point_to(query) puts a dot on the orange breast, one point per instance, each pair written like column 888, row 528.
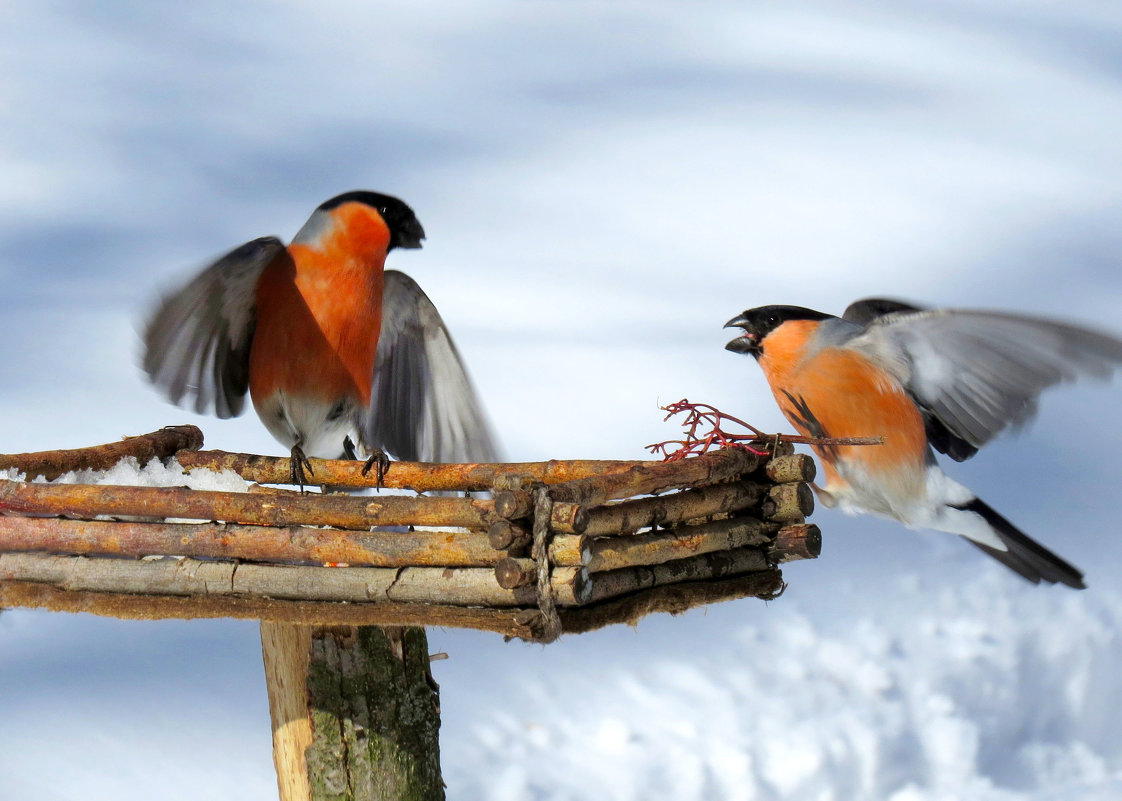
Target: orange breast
column 838, row 393
column 319, row 313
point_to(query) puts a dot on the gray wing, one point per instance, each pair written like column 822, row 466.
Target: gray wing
column 979, row 372
column 196, row 344
column 423, row 406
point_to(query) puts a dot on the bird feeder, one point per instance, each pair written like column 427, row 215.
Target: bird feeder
column 528, row 550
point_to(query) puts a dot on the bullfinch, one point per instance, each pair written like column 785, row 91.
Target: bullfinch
column 335, row 351
column 924, row 380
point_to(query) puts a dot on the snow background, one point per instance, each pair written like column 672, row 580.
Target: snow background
column 603, row 186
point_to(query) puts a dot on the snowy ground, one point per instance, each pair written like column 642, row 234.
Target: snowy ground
column 603, row 186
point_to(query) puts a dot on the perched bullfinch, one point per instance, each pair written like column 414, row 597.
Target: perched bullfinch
column 940, row 379
column 334, row 350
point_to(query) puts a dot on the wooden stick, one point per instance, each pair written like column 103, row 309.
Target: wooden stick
column 513, row 504
column 647, row 479
column 33, row 595
column 511, row 572
column 628, row 516
column 788, row 503
column 614, row 553
column 317, row 546
column 506, row 536
column 569, row 517
column 285, row 650
column 342, row 511
column 387, row 549
column 671, row 598
column 797, row 541
column 789, row 468
column 520, row 572
column 601, row 586
column 464, row 586
column 511, row 622
column 418, row 476
column 599, row 554
column 52, row 464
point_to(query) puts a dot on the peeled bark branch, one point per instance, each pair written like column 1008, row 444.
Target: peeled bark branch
column 304, row 544
column 418, row 476
column 342, row 511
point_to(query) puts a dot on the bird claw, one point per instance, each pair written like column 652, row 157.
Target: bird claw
column 299, row 463
column 382, row 461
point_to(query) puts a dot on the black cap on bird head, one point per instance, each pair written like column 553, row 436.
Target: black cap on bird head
column 761, row 321
column 405, row 228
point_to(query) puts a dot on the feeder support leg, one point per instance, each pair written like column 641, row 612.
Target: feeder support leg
column 355, row 713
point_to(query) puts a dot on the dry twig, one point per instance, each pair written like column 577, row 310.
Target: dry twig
column 703, row 430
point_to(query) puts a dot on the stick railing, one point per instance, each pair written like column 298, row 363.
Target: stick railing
column 618, row 539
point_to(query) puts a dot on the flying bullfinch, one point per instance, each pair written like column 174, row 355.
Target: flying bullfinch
column 334, row 350
column 942, row 379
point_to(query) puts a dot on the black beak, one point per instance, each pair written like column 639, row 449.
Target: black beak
column 748, row 342
column 739, row 321
column 410, row 234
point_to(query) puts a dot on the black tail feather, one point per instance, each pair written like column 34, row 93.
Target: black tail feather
column 1024, row 555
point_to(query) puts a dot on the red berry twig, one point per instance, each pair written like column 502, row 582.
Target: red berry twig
column 703, row 430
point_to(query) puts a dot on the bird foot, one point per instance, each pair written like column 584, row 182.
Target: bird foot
column 379, row 459
column 299, row 463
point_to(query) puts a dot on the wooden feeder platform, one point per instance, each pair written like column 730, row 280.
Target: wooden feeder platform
column 545, row 548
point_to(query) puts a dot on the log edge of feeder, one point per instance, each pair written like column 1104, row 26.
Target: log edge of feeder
column 709, row 477
column 513, row 622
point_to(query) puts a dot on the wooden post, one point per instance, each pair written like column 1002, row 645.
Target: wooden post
column 286, row 651
column 355, row 713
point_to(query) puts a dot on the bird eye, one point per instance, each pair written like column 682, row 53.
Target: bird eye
column 773, row 319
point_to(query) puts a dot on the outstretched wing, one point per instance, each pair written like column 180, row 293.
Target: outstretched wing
column 863, row 312
column 423, row 406
column 977, row 373
column 196, row 344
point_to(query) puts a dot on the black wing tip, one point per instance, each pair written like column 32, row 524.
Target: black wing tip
column 1024, row 555
column 944, row 440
